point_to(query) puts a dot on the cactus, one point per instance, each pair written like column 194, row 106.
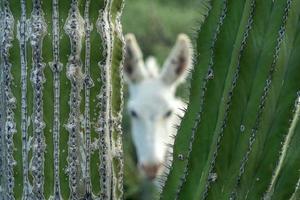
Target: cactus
column 60, row 115
column 240, row 135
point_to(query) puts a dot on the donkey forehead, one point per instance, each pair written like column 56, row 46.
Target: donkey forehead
column 152, row 94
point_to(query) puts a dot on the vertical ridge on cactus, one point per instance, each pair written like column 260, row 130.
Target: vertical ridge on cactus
column 37, row 32
column 74, row 29
column 27, row 193
column 111, row 166
column 103, row 26
column 7, row 118
column 56, row 67
column 117, row 99
column 88, row 83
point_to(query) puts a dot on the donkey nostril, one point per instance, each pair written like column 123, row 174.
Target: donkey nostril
column 151, row 170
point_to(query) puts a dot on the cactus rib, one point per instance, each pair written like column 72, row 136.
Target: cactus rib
column 56, row 67
column 27, row 193
column 9, row 104
column 74, row 28
column 88, row 83
column 110, row 97
column 254, row 130
column 250, row 5
column 209, row 76
column 285, row 147
column 37, row 32
column 103, row 28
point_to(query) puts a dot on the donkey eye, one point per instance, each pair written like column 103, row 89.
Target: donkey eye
column 168, row 114
column 133, row 114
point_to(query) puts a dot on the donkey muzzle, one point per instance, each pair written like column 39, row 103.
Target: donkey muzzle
column 151, row 170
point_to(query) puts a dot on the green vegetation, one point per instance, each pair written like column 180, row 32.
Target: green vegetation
column 62, row 106
column 56, row 154
column 240, row 134
column 156, row 23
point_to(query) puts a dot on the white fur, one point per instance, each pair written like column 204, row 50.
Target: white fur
column 152, row 96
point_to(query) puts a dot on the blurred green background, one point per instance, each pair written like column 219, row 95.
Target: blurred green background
column 156, row 24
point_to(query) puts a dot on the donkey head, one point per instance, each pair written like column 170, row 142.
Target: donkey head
column 152, row 104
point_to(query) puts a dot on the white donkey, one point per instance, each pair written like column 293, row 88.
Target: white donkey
column 152, row 104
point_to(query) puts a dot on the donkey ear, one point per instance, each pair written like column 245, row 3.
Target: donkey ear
column 152, row 66
column 134, row 67
column 177, row 65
